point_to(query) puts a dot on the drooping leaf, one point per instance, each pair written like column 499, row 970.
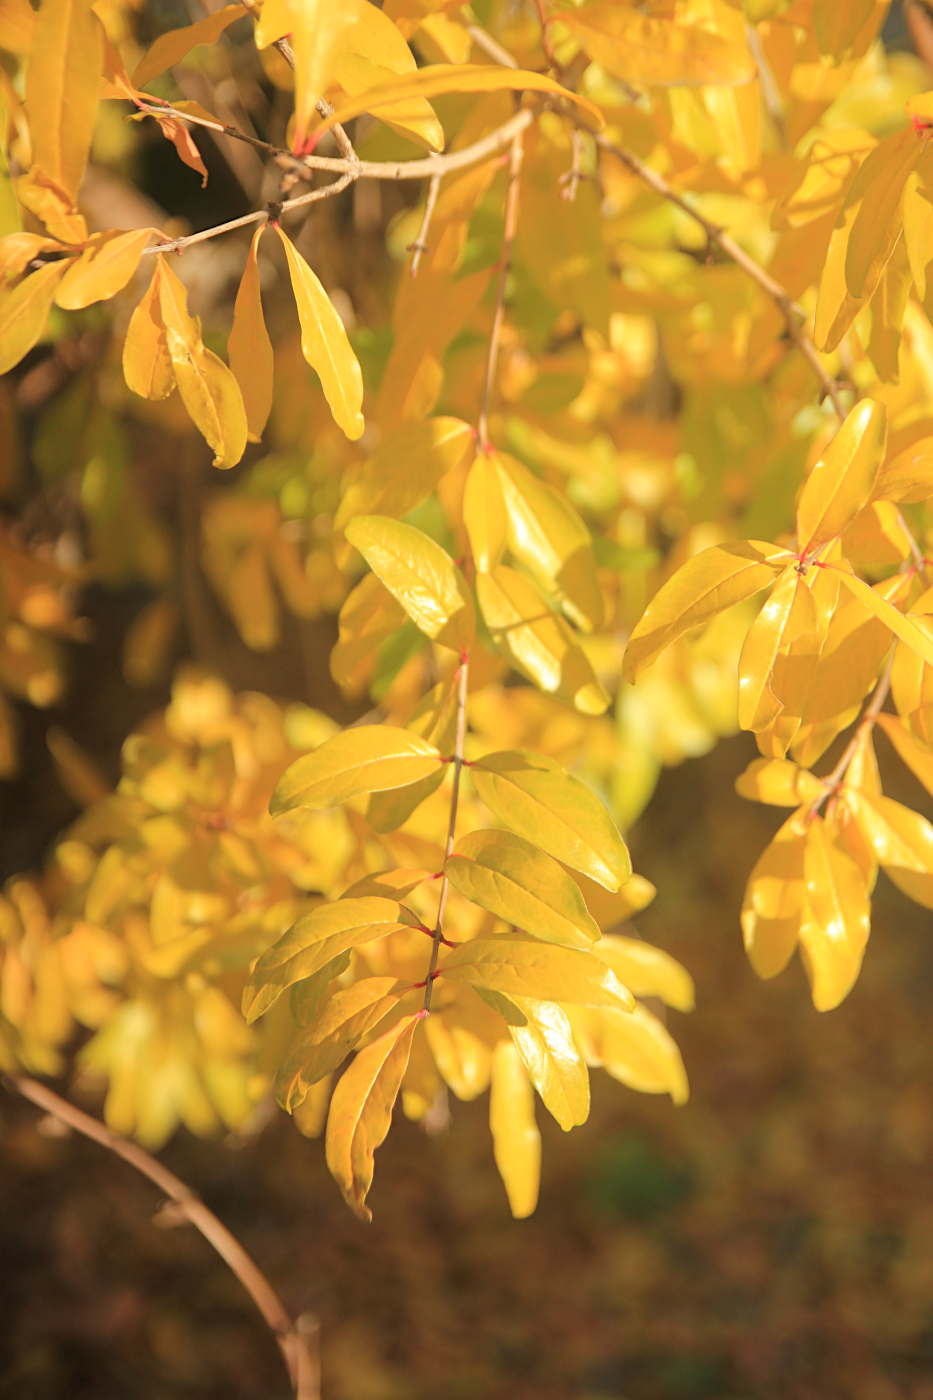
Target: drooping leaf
column 370, row 616
column 526, row 968
column 515, row 1137
column 25, row 310
column 420, row 574
column 367, row 758
column 918, row 760
column 172, row 47
column 319, row 31
column 775, row 899
column 361, row 1111
column 540, row 801
column 316, row 1052
column 788, row 613
column 484, row 513
column 778, row 782
column 249, row 348
column 103, row 269
column 902, row 841
column 637, row 1050
column 908, row 477
column 706, row 585
column 147, row 364
column 324, row 344
column 836, row 930
column 647, row 971
column 62, row 84
column 904, row 626
column 841, row 483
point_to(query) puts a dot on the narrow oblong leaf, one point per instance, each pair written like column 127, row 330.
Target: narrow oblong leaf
column 902, row 841
column 324, row 344
column 908, row 477
column 636, row 1050
column 25, row 310
column 62, row 89
column 918, row 760
column 322, row 1047
column 553, row 1061
column 839, row 909
column 103, row 269
column 842, row 481
column 904, row 626
column 367, row 758
column 172, row 47
column 484, row 513
column 878, row 223
column 778, row 782
column 403, row 471
column 315, row 940
column 706, row 585
column 788, row 613
column 539, row 800
column 147, row 364
column 249, row 348
column 361, row 1111
column 420, row 574
column 515, row 1137
column 370, row 616
column 526, row 968
column 513, row 879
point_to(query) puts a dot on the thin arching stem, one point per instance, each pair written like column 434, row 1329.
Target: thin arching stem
column 292, row 1338
column 438, row 936
column 508, row 238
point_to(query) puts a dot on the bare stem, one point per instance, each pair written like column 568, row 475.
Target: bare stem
column 292, row 1338
column 508, row 238
column 421, row 243
column 451, row 825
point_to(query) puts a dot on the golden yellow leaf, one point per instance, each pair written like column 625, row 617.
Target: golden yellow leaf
column 554, row 1064
column 879, row 220
column 17, row 21
column 319, row 31
column 540, row 801
column 185, row 145
column 707, row 584
column 787, row 614
column 249, row 348
column 523, row 967
column 637, row 1050
column 834, row 937
column 918, row 225
column 778, row 782
column 367, row 758
column 841, row 482
column 50, row 203
column 322, row 1046
column 536, row 641
column 406, row 468
column 420, row 574
column 837, row 25
column 484, row 514
column 515, row 1136
column 908, row 629
column 25, row 310
column 324, row 344
column 918, row 760
column 775, row 899
column 888, row 306
column 824, row 178
column 17, row 250
column 434, row 719
column 361, row 1111
column 369, row 616
column 513, row 879
column 647, row 971
column 103, row 269
column 653, row 52
column 62, row 83
column 358, row 73
column 907, row 477
column 902, row 841
column 172, row 47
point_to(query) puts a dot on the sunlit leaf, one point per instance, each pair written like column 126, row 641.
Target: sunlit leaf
column 647, row 971
column 249, row 348
column 526, row 968
column 484, row 513
column 406, row 469
column 316, row 1052
column 835, row 934
column 420, row 574
column 172, row 47
column 25, row 310
column 778, row 782
column 650, row 52
column 368, row 758
column 62, row 83
column 515, row 1136
column 842, row 481
column 103, row 269
column 147, row 364
column 554, row 1064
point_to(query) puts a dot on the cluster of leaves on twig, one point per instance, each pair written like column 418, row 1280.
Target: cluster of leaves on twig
column 670, row 265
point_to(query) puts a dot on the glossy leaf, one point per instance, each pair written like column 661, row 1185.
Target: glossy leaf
column 62, row 81
column 905, row 627
column 361, row 1111
column 778, row 782
column 316, row 1052
column 249, row 348
column 707, row 584
column 25, row 310
column 908, row 477
column 147, row 364
column 840, row 914
column 367, row 758
column 515, row 1137
column 637, row 1050
column 843, row 479
column 775, row 899
column 172, row 47
column 324, row 343
column 318, row 31
column 902, row 841
column 420, row 574
column 539, row 800
column 554, row 1064
column 103, row 269
column 647, row 971
column 789, row 613
column 526, row 968
column 652, row 52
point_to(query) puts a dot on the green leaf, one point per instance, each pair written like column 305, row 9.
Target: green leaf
column 420, row 574
column 539, row 800
column 510, row 877
column 315, row 940
column 520, row 967
column 350, row 1014
column 366, row 758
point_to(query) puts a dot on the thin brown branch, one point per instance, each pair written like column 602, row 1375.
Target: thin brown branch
column 420, row 245
column 508, row 238
column 545, row 35
column 869, row 719
column 738, row 255
column 438, row 936
column 292, row 1339
column 491, row 46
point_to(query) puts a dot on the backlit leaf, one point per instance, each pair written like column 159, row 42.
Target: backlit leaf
column 420, row 574
column 775, row 899
column 515, row 1137
column 647, row 971
column 147, row 364
column 62, row 83
column 637, row 1050
column 25, row 310
column 526, row 968
column 324, row 343
column 540, row 801
column 513, row 879
column 905, row 627
column 908, row 477
column 369, row 616
column 406, row 468
column 840, row 913
column 554, row 1064
column 361, row 1111
column 879, row 221
column 318, row 31
column 103, row 269
column 249, row 348
column 902, row 841
column 778, row 782
column 172, row 47
column 789, row 613
column 367, row 758
column 484, row 513
column 841, row 483
column 653, row 52
column 322, row 1047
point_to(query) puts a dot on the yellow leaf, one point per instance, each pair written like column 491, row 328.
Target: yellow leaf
column 610, row 909
column 778, row 782
column 367, row 758
column 361, row 1111
column 321, row 1048
column 837, row 25
column 207, row 388
column 436, row 79
column 902, row 841
column 656, row 52
column 888, row 305
column 918, row 760
column 526, row 968
column 172, row 47
column 420, row 574
column 25, row 310
column 536, row 641
column 388, row 884
column 834, row 937
column 17, row 21
column 514, row 880
column 358, row 74
column 908, row 477
column 147, row 364
column 775, row 899
column 369, row 616
column 103, row 269
column 249, row 348
column 841, row 482
column 647, row 971
column 315, row 940
column 707, row 584
column 879, row 221
column 434, row 719
column 540, row 801
column 484, row 512
column 554, row 1064
column 876, row 540
column 636, row 1050
column 324, row 344
column 62, row 82
column 822, row 181
column 463, row 1059
column 17, row 251
column 319, row 31
column 185, row 145
column 547, row 536
column 406, row 468
column 789, row 613
column 918, row 225
column 515, row 1136
column 908, row 629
